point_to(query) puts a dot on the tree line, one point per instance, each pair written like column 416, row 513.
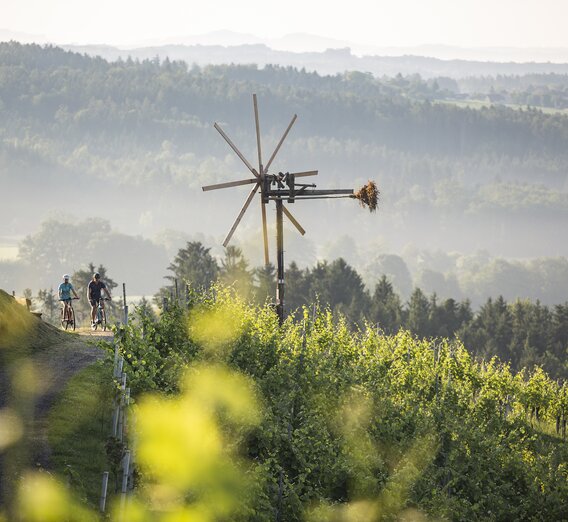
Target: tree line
column 523, row 333
column 67, row 95
column 59, row 247
column 71, row 120
column 537, row 90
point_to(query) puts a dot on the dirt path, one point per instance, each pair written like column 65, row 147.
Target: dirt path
column 57, row 364
column 36, row 362
column 32, row 381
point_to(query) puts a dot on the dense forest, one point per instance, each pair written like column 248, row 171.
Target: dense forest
column 131, row 142
column 62, row 246
column 73, row 95
column 521, row 333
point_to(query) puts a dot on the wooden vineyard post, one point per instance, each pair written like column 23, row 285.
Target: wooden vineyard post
column 124, row 302
column 118, row 374
column 125, row 472
column 120, row 431
column 124, row 487
column 102, row 503
column 120, row 408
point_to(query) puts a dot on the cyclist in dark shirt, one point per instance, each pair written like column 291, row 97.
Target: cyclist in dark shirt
column 94, row 295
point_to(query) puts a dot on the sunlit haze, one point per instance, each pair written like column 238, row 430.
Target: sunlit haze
column 468, row 23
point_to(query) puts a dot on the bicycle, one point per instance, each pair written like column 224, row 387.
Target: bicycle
column 101, row 315
column 68, row 319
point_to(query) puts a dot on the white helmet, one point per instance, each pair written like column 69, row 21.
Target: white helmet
column 66, row 276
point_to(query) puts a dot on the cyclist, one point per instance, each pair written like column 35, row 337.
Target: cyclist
column 94, row 295
column 64, row 292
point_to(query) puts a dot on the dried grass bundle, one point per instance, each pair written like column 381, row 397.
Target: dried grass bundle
column 368, row 196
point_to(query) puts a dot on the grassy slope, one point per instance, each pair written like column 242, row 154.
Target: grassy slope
column 78, row 427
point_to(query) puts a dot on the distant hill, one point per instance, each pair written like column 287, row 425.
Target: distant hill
column 132, row 141
column 330, row 61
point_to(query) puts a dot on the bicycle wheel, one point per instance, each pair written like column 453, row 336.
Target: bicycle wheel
column 98, row 319
column 103, row 320
column 71, row 318
column 62, row 319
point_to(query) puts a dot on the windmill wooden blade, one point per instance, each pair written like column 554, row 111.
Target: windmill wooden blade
column 293, row 220
column 264, row 232
column 305, row 173
column 280, row 143
column 229, row 184
column 241, row 214
column 237, row 151
column 257, row 124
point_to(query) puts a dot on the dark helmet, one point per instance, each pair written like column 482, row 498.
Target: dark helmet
column 96, row 275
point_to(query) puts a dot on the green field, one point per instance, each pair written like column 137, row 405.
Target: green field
column 480, row 104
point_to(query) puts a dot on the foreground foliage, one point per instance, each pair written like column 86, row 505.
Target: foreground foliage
column 364, row 425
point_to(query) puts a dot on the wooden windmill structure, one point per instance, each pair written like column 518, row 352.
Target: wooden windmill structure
column 279, row 187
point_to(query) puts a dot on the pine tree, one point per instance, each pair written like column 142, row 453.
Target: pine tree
column 560, row 330
column 418, row 313
column 297, row 287
column 266, row 280
column 235, row 271
column 449, row 317
column 386, row 308
column 49, row 305
column 144, row 309
column 194, row 265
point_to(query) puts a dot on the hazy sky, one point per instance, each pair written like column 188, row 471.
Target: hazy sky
column 469, row 23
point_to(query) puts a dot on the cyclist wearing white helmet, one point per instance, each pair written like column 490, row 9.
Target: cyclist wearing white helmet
column 64, row 292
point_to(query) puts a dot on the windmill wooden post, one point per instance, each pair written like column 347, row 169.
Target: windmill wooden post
column 279, row 187
column 280, row 260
